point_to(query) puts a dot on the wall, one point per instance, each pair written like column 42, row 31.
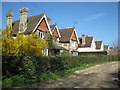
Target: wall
column 71, row 47
column 65, row 45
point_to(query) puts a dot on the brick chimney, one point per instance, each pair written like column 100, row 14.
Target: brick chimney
column 9, row 17
column 23, row 19
column 83, row 39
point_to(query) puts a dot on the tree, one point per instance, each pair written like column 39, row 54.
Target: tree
column 49, row 38
column 116, row 48
column 22, row 44
column 7, row 42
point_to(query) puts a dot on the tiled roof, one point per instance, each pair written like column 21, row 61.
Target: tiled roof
column 61, row 48
column 98, row 44
column 74, row 50
column 106, row 47
column 88, row 41
column 66, row 34
column 52, row 26
column 111, row 47
column 31, row 24
column 58, row 47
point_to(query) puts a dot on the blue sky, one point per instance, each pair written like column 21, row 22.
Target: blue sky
column 98, row 19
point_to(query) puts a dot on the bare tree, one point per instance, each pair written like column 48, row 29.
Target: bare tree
column 116, row 46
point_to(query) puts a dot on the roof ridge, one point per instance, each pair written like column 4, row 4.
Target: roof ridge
column 36, row 15
column 67, row 28
column 30, row 17
column 87, row 36
column 53, row 24
column 98, row 41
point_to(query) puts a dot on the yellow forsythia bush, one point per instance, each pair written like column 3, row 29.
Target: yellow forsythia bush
column 22, row 44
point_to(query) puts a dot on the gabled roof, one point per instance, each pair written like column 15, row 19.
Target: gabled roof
column 106, row 47
column 55, row 30
column 74, row 50
column 52, row 27
column 88, row 41
column 32, row 22
column 66, row 34
column 98, row 44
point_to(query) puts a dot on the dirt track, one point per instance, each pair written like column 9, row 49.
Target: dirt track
column 99, row 76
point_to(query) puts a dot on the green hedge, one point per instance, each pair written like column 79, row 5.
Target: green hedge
column 93, row 53
column 30, row 66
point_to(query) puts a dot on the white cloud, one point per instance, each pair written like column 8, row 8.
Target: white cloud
column 95, row 16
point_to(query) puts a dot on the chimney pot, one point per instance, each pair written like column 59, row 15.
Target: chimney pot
column 23, row 19
column 83, row 39
column 83, row 35
column 10, row 10
column 9, row 17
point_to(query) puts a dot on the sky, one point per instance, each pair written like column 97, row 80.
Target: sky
column 98, row 19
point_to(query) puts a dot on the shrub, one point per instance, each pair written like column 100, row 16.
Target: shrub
column 66, row 53
column 19, row 70
column 11, row 65
column 30, row 66
column 93, row 53
column 13, row 81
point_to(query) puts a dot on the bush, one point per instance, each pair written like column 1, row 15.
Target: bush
column 93, row 53
column 66, row 53
column 30, row 66
column 20, row 70
column 13, row 81
column 10, row 65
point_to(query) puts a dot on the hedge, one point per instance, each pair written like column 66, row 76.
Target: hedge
column 93, row 53
column 30, row 66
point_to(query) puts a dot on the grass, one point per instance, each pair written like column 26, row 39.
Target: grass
column 17, row 81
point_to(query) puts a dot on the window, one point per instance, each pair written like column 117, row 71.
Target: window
column 73, row 43
column 46, row 52
column 40, row 34
column 57, row 41
column 75, row 53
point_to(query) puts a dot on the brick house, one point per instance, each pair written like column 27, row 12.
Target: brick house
column 69, row 40
column 40, row 24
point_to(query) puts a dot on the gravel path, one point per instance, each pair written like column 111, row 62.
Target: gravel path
column 99, row 76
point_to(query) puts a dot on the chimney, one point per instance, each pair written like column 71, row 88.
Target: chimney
column 23, row 19
column 83, row 39
column 9, row 17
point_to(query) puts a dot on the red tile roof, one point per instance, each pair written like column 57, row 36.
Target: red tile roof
column 88, row 41
column 66, row 34
column 52, row 26
column 31, row 24
column 98, row 44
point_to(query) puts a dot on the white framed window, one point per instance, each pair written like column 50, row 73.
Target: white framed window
column 57, row 41
column 41, row 35
column 46, row 52
column 75, row 53
column 73, row 43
